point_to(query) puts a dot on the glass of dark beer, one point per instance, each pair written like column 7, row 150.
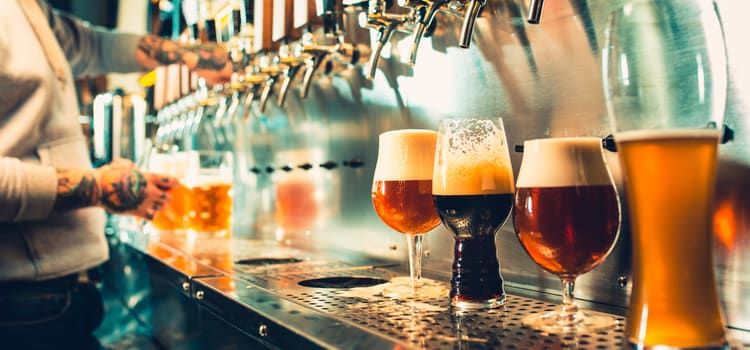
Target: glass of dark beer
column 472, row 185
column 402, row 196
column 566, row 214
column 665, row 81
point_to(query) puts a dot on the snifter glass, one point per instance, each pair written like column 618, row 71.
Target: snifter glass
column 472, row 185
column 665, row 80
column 402, row 197
column 566, row 215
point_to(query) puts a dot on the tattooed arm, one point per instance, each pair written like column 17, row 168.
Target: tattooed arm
column 119, row 188
column 211, row 61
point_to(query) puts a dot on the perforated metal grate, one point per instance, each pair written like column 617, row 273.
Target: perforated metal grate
column 430, row 324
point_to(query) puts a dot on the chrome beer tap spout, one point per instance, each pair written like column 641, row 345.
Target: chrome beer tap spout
column 274, row 72
column 535, row 11
column 424, row 14
column 384, row 24
column 294, row 61
column 470, row 16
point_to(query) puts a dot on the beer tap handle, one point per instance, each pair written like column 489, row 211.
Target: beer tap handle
column 535, row 11
column 467, row 28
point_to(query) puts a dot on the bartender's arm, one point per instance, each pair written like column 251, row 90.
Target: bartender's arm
column 119, row 188
column 209, row 60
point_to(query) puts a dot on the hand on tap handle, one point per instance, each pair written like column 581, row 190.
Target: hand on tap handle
column 209, row 60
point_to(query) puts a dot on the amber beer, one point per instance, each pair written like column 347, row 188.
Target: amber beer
column 568, row 230
column 670, row 184
column 405, row 205
column 174, row 215
column 402, row 195
column 210, row 207
column 473, row 191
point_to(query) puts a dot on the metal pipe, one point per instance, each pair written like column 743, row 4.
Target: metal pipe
column 535, row 11
column 467, row 28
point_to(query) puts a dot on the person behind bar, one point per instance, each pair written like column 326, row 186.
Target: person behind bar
column 52, row 201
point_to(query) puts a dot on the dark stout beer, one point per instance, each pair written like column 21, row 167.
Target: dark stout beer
column 473, row 220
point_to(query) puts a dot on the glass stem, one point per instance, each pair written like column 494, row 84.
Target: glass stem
column 414, row 245
column 568, row 309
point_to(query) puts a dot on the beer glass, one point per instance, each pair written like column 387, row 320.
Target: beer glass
column 173, row 216
column 209, row 179
column 665, row 81
column 566, row 214
column 472, row 185
column 402, row 195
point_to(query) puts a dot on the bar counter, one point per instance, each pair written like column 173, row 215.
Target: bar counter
column 219, row 293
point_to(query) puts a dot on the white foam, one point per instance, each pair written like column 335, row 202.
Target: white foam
column 563, row 162
column 472, row 158
column 406, row 154
column 666, row 133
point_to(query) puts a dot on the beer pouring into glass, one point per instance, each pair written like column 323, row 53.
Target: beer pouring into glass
column 402, row 197
column 665, row 80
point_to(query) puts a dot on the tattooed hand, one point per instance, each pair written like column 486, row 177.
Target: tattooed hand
column 209, row 60
column 119, row 188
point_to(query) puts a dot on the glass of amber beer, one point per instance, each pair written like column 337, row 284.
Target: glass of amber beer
column 173, row 216
column 402, row 195
column 473, row 185
column 566, row 215
column 209, row 180
column 665, row 80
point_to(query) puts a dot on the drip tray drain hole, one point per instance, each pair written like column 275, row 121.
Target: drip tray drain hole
column 267, row 261
column 342, row 282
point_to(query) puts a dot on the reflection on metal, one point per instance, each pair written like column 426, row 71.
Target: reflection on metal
column 544, row 80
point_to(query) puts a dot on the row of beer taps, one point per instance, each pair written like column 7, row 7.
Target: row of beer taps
column 266, row 64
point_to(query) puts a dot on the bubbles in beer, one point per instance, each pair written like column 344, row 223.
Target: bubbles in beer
column 474, row 159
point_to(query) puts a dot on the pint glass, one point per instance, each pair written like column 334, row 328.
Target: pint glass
column 665, row 85
column 209, row 180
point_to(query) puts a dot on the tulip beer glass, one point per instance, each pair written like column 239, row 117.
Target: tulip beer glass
column 566, row 215
column 209, row 179
column 665, row 80
column 473, row 189
column 402, row 194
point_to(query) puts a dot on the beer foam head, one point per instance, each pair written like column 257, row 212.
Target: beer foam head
column 406, row 154
column 472, row 158
column 563, row 162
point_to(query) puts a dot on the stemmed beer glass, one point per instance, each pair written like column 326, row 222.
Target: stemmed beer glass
column 665, row 79
column 473, row 187
column 402, row 195
column 567, row 217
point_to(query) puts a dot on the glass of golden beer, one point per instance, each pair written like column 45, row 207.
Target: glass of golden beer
column 402, row 196
column 473, row 185
column 665, row 81
column 172, row 216
column 209, row 180
column 566, row 215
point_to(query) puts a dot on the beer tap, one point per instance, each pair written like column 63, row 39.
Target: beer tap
column 384, row 24
column 273, row 71
column 424, row 14
column 535, row 11
column 470, row 16
column 293, row 61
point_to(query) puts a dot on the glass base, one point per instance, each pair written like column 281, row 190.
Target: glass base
column 579, row 322
column 478, row 304
column 400, row 288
